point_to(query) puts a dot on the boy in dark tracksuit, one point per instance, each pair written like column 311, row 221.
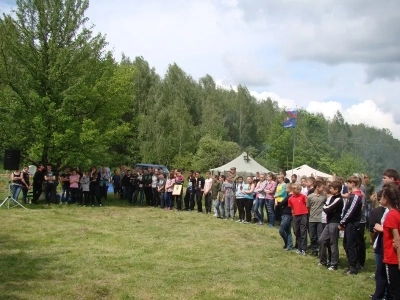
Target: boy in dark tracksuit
column 199, row 189
column 350, row 223
column 333, row 210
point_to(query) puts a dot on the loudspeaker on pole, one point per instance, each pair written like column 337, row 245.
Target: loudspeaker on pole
column 12, row 160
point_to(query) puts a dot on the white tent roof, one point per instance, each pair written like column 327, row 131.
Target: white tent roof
column 306, row 170
column 242, row 166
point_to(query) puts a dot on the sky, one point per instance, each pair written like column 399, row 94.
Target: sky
column 322, row 56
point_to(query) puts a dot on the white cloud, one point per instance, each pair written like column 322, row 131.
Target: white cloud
column 328, row 109
column 367, row 112
column 282, row 102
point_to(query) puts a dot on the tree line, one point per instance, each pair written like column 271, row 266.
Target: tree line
column 66, row 100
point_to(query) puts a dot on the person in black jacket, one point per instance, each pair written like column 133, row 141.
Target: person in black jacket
column 189, row 191
column 350, row 223
column 333, row 210
column 94, row 186
column 147, row 185
column 199, row 189
column 37, row 184
column 126, row 186
column 375, row 217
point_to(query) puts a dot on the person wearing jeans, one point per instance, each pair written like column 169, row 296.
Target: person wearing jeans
column 248, row 190
column 17, row 183
column 285, row 228
column 259, row 202
column 270, row 199
column 228, row 188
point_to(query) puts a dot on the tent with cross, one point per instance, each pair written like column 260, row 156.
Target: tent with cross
column 244, row 164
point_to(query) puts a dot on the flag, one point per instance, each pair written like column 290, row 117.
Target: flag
column 291, row 119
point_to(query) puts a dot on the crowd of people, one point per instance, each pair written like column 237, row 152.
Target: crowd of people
column 310, row 207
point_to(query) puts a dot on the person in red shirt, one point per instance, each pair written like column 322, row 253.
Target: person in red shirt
column 298, row 204
column 391, row 228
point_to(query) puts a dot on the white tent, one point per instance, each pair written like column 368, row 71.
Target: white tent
column 306, row 170
column 244, row 164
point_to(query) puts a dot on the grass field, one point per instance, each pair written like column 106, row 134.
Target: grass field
column 122, row 252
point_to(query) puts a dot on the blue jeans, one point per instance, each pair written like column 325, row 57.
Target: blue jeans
column 285, row 230
column 259, row 203
column 270, row 208
column 168, row 199
column 221, row 204
column 16, row 189
column 65, row 194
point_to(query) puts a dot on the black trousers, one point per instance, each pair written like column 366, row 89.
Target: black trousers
column 75, row 195
column 191, row 200
column 155, row 198
column 94, row 194
column 84, row 199
column 248, row 205
column 208, row 202
column 240, row 207
column 186, row 199
column 50, row 193
column 393, row 277
column 199, row 197
column 37, row 191
column 278, row 212
column 361, row 251
column 350, row 244
column 300, row 231
column 178, row 200
column 149, row 195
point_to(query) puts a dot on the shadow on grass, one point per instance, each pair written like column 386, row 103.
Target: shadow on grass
column 19, row 269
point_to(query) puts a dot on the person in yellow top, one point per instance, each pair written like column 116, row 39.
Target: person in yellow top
column 280, row 194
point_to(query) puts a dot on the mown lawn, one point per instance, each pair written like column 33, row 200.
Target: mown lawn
column 122, row 252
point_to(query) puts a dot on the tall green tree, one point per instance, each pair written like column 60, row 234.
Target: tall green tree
column 58, row 78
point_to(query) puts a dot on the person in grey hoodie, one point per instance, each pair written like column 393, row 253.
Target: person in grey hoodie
column 84, row 181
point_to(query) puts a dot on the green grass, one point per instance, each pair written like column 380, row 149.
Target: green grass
column 121, row 252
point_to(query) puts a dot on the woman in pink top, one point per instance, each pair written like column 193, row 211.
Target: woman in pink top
column 259, row 202
column 74, row 186
column 169, row 188
column 270, row 199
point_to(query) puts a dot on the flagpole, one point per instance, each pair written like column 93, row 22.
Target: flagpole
column 294, row 140
column 294, row 146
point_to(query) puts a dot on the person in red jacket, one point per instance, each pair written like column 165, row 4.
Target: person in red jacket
column 391, row 228
column 298, row 204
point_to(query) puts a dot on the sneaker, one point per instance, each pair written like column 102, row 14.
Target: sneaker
column 260, row 223
column 245, row 222
column 101, row 205
column 298, row 251
column 321, row 264
column 350, row 272
column 288, row 249
column 303, row 253
column 270, row 226
column 332, row 268
column 215, row 215
column 239, row 221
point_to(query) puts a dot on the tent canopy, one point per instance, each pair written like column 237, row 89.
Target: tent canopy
column 306, row 170
column 244, row 167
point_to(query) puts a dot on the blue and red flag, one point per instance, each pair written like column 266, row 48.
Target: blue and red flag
column 291, row 119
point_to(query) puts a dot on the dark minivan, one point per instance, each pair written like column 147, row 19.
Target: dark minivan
column 146, row 166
